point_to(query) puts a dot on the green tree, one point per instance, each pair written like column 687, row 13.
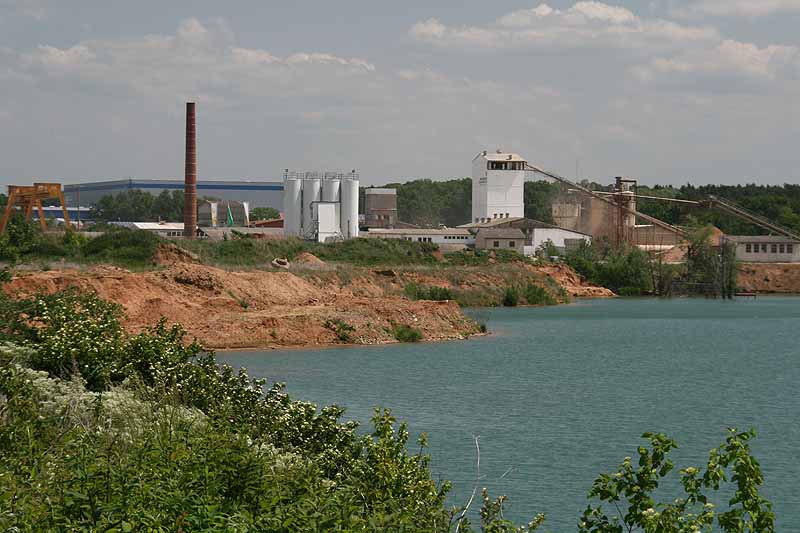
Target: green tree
column 264, row 213
column 631, row 491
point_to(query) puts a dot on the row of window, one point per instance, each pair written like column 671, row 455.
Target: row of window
column 429, row 239
column 756, row 248
column 511, row 244
column 506, row 165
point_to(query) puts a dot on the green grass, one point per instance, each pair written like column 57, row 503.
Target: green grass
column 363, row 252
column 415, row 291
column 484, row 257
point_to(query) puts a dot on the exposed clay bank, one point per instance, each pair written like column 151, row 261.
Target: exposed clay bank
column 302, row 308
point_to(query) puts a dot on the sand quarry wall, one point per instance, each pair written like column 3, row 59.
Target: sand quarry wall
column 259, row 308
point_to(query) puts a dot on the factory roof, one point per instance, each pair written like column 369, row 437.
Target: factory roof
column 501, row 233
column 759, row 238
column 517, row 222
column 492, row 222
column 418, row 231
column 500, row 156
column 151, row 226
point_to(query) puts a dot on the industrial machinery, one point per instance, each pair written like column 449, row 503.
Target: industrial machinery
column 622, row 204
column 29, row 197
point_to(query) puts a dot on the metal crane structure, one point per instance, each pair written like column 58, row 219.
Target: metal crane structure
column 620, row 201
column 29, row 197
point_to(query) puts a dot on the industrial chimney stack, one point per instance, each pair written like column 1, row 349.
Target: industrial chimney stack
column 190, row 182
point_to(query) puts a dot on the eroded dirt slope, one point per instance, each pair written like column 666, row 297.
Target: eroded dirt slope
column 777, row 278
column 261, row 308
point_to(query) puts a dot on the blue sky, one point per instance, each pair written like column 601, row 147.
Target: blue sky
column 665, row 91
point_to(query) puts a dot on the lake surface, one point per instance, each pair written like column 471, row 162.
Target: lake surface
column 558, row 395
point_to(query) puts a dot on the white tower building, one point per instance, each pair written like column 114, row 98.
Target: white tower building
column 498, row 185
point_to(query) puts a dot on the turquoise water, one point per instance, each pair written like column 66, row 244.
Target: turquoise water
column 558, row 395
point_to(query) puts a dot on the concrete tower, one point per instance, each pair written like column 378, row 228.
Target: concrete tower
column 498, row 186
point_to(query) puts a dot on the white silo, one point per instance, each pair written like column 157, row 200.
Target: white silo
column 292, row 206
column 349, row 213
column 330, row 188
column 312, row 187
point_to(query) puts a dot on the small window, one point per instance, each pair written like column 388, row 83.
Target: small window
column 763, row 248
column 782, row 249
column 512, row 244
column 774, row 248
column 747, row 248
column 497, row 244
column 790, row 248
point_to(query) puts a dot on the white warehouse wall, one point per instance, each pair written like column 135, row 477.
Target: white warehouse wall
column 556, row 235
column 327, row 215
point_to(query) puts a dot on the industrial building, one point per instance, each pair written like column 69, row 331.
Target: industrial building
column 498, row 185
column 321, row 206
column 227, row 213
column 380, row 208
column 765, row 249
column 77, row 215
column 534, row 234
column 500, row 239
column 256, row 193
column 168, row 230
column 448, row 239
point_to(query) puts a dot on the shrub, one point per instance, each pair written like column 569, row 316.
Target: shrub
column 341, row 328
column 536, row 295
column 510, row 297
column 423, row 292
column 405, row 333
column 123, row 246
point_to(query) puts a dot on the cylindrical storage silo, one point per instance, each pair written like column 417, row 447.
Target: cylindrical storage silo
column 312, row 188
column 349, row 213
column 292, row 208
column 330, row 189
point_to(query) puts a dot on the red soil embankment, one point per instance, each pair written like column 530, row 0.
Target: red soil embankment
column 263, row 308
column 776, row 278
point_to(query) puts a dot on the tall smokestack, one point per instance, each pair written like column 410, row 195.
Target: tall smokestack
column 190, row 181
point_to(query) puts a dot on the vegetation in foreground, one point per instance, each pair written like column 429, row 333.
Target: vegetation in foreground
column 100, row 430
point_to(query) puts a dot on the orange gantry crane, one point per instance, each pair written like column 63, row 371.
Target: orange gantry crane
column 29, row 197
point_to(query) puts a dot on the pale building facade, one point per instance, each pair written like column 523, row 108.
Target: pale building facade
column 498, row 186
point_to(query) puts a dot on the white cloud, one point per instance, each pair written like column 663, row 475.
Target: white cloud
column 743, row 8
column 584, row 25
column 730, row 66
column 199, row 59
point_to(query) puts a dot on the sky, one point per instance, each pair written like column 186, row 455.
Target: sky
column 665, row 91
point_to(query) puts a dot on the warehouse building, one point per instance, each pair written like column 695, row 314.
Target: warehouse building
column 448, row 239
column 380, row 208
column 534, row 234
column 765, row 249
column 256, row 193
